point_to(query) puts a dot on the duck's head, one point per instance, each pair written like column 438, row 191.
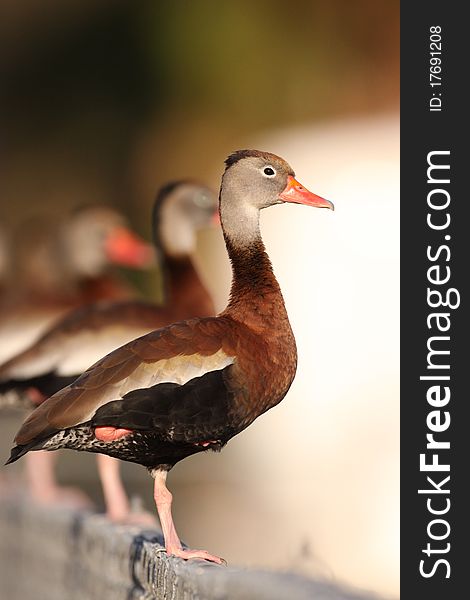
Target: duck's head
column 95, row 237
column 261, row 179
column 254, row 180
column 181, row 209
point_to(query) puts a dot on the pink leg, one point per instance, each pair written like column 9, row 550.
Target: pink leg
column 35, row 396
column 115, row 497
column 163, row 500
column 40, row 474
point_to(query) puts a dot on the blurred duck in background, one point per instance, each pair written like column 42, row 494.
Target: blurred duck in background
column 83, row 336
column 57, row 266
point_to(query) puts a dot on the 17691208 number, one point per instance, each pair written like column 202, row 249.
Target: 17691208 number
column 435, row 68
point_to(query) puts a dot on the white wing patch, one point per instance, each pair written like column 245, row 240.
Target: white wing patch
column 19, row 332
column 68, row 355
column 90, row 347
column 178, row 369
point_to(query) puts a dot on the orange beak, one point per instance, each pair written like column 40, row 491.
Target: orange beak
column 215, row 219
column 296, row 193
column 126, row 249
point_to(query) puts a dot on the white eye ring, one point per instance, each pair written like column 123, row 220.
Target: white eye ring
column 271, row 171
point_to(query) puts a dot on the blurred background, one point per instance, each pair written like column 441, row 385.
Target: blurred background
column 102, row 102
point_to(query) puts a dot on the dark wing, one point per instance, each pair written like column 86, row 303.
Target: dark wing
column 174, row 354
column 77, row 341
column 194, row 412
column 47, row 384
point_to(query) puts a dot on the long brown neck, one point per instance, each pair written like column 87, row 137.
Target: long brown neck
column 256, row 301
column 255, row 296
column 185, row 293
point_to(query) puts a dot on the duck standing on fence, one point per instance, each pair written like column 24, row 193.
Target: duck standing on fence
column 190, row 387
column 83, row 336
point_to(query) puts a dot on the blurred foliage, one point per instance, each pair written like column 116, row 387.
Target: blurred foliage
column 103, row 101
column 267, row 61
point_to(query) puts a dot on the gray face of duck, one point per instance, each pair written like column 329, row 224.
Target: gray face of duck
column 93, row 238
column 181, row 210
column 254, row 180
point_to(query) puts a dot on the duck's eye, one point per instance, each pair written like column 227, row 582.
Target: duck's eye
column 269, row 171
column 203, row 201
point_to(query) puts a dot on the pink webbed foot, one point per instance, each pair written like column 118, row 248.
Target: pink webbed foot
column 173, row 547
column 35, row 396
column 187, row 554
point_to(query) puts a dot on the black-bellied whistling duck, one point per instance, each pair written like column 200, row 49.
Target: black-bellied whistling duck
column 86, row 334
column 57, row 266
column 190, row 387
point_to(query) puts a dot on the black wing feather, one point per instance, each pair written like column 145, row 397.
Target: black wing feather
column 196, row 411
column 48, row 384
